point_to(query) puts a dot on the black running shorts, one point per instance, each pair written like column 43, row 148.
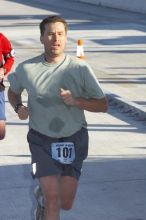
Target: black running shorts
column 41, row 153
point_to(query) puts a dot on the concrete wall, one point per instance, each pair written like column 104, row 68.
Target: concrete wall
column 130, row 5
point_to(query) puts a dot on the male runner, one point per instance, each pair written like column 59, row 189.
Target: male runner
column 60, row 88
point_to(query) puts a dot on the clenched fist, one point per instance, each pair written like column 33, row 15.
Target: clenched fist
column 67, row 97
column 23, row 112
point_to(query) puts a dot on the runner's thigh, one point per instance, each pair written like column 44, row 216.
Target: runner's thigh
column 68, row 189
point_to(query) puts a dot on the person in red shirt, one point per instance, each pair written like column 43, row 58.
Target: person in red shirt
column 6, row 62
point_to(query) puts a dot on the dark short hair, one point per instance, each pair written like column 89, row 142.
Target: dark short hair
column 52, row 19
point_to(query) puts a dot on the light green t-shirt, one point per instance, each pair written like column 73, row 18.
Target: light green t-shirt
column 48, row 114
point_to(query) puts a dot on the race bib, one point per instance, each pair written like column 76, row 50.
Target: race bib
column 64, row 152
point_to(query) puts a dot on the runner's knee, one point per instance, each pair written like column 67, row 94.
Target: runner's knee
column 2, row 135
column 66, row 205
column 51, row 198
column 2, row 130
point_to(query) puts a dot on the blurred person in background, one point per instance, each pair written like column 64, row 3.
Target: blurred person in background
column 6, row 62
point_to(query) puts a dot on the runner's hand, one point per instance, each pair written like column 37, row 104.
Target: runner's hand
column 67, row 97
column 23, row 112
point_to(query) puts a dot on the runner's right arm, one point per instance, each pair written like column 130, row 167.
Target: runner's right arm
column 16, row 102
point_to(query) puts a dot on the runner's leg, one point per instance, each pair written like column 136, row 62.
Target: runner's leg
column 68, row 189
column 2, row 129
column 51, row 192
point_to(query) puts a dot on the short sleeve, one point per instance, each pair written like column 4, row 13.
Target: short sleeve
column 16, row 81
column 91, row 84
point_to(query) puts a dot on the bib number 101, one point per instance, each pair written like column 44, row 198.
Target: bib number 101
column 63, row 152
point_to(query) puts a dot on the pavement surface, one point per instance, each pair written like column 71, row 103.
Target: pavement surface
column 113, row 182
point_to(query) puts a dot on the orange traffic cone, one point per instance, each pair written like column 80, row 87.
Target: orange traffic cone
column 80, row 50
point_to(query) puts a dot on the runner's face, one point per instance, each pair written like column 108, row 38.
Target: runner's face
column 54, row 39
